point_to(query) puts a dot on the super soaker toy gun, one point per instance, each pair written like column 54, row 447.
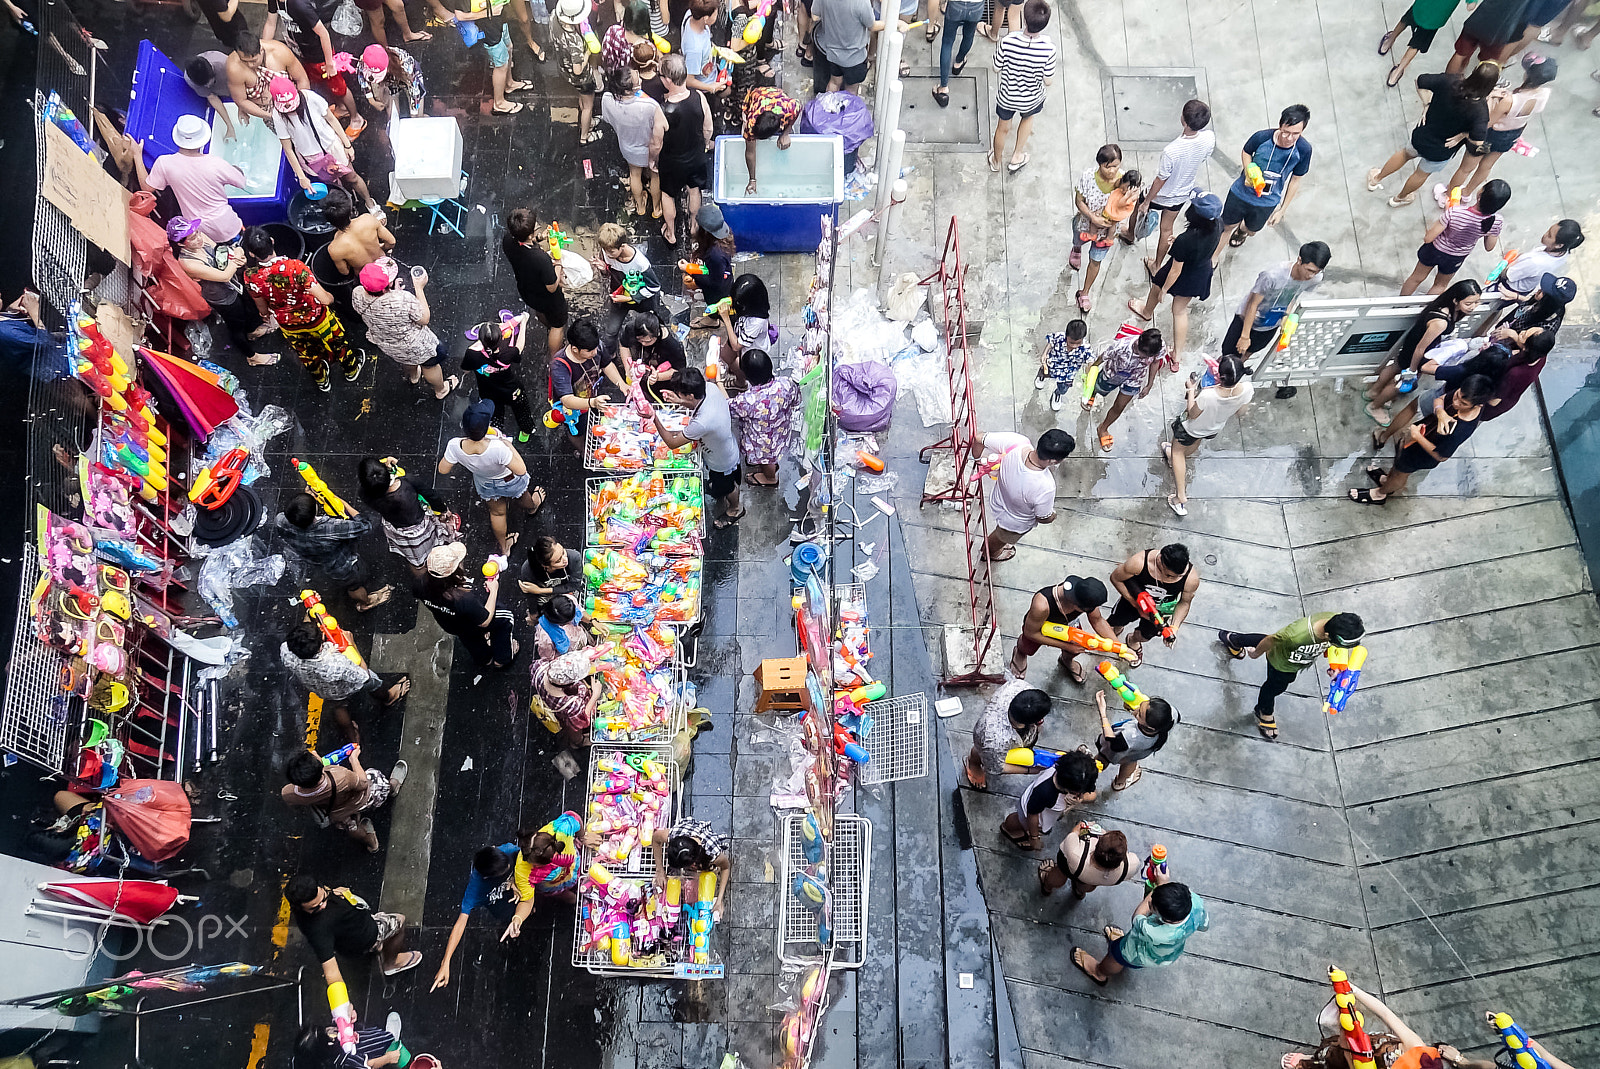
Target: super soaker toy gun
column 1500, row 268
column 339, row 756
column 1291, row 324
column 495, row 565
column 1255, row 179
column 691, row 268
column 330, row 627
column 560, row 415
column 1147, row 605
column 1154, row 865
column 1035, row 758
column 1351, row 1023
column 662, row 44
column 590, row 41
column 1130, row 695
column 558, row 239
column 344, row 1015
column 701, row 919
column 758, row 23
column 331, row 502
column 219, row 479
column 1091, row 375
column 1087, row 639
column 1518, row 1043
column 1348, row 662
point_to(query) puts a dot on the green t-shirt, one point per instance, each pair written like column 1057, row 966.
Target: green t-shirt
column 1296, row 646
column 1432, row 14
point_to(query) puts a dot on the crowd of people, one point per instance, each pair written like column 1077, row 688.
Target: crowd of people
column 669, row 77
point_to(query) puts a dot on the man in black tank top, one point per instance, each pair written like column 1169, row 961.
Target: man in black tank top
column 1169, row 577
column 1075, row 601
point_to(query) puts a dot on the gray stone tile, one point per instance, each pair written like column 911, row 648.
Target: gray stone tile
column 704, row 1045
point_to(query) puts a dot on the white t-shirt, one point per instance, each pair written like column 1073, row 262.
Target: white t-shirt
column 1022, row 496
column 1523, row 273
column 1216, row 410
column 306, row 140
column 1180, row 166
column 712, row 427
column 493, row 463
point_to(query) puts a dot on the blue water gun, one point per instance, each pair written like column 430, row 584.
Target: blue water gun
column 339, row 756
column 1518, row 1043
column 560, row 414
column 1348, row 662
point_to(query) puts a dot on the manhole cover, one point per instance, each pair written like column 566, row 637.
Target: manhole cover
column 961, row 127
column 1144, row 104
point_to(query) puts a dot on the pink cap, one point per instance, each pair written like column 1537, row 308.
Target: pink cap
column 375, row 58
column 285, row 94
column 378, row 275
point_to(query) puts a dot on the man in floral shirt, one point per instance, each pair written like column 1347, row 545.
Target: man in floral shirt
column 324, row 670
column 768, row 112
column 285, row 288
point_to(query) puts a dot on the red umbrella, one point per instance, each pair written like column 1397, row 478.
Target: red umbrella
column 141, row 901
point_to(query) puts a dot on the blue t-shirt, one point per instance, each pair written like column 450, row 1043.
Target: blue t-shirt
column 501, row 898
column 24, row 348
column 1277, row 165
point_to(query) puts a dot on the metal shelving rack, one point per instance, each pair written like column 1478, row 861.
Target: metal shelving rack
column 849, row 862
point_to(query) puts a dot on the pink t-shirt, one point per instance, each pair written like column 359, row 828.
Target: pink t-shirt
column 1463, row 229
column 199, row 184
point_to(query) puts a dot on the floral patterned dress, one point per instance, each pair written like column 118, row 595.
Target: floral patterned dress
column 765, row 413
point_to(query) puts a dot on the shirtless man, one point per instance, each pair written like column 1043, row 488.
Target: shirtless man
column 1169, row 577
column 1064, row 603
column 251, row 67
column 358, row 239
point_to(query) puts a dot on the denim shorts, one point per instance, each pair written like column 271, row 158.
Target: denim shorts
column 500, row 51
column 489, row 489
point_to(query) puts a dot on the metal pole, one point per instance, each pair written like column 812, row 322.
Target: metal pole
column 889, row 159
column 891, row 42
column 890, row 217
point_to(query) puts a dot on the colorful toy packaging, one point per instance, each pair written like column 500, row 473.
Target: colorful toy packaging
column 623, row 439
column 647, row 512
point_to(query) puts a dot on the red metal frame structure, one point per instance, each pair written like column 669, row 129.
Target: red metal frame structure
column 967, row 487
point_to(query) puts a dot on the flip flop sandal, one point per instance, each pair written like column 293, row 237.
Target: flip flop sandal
column 376, row 598
column 1377, row 443
column 1385, row 43
column 1043, row 866
column 1079, row 958
column 404, row 683
column 1292, row 1060
column 1364, row 497
column 1268, row 726
column 1013, row 168
column 511, row 108
column 263, row 360
column 421, row 35
column 957, row 68
column 1380, row 422
column 725, row 521
column 372, row 832
column 450, row 385
column 1018, row 841
column 1004, row 555
column 1106, row 442
column 994, row 164
column 1395, row 74
column 409, row 960
column 1166, row 453
column 1137, row 773
column 543, row 495
column 1075, row 672
column 1112, row 933
column 1134, row 306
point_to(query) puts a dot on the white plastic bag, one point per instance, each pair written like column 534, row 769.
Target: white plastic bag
column 905, row 299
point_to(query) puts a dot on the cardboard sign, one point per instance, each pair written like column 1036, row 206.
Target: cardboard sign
column 93, row 201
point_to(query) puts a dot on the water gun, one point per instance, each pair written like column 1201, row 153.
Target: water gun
column 662, row 44
column 218, row 480
column 845, row 745
column 691, row 269
column 1087, row 639
column 1348, row 662
column 339, row 756
column 1154, row 865
column 701, row 919
column 724, row 305
column 1455, row 197
column 590, row 41
column 758, row 23
column 1091, row 375
column 1147, row 605
column 631, row 285
column 727, row 55
column 344, row 1015
column 495, row 565
column 470, row 33
column 1518, row 1043
column 1291, row 324
column 1255, row 179
column 558, row 240
column 331, row 502
column 1130, row 695
column 330, row 627
column 811, row 843
column 558, row 415
column 1351, row 1023
column 1035, row 758
column 1500, row 268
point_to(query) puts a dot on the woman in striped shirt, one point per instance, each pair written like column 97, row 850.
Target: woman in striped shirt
column 1451, row 239
column 1023, row 63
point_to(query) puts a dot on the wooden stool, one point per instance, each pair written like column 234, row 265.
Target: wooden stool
column 783, row 684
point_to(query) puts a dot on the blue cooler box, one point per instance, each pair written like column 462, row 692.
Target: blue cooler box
column 797, row 187
column 160, row 95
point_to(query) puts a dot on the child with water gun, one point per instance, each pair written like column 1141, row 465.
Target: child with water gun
column 1054, row 791
column 652, row 347
column 630, row 278
column 1127, row 742
column 1010, row 720
column 1065, row 354
column 338, row 796
column 493, row 357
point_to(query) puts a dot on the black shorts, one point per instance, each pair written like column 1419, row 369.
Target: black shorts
column 1180, row 433
column 552, row 310
column 440, row 354
column 1126, row 613
column 1259, row 339
column 1414, row 458
column 1421, row 39
column 1254, row 216
column 679, row 175
column 1502, row 140
column 720, row 484
column 1007, row 114
column 1428, row 256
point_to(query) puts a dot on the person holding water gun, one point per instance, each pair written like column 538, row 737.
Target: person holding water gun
column 1206, row 410
column 690, row 847
column 1276, row 293
column 1129, row 741
column 1156, row 592
column 633, row 282
column 339, row 796
column 494, row 354
column 1288, row 651
column 338, row 922
column 1282, row 155
column 1010, row 720
column 322, row 668
column 1394, row 1043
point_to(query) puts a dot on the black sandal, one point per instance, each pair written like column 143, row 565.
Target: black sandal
column 1240, row 236
column 1395, row 74
column 1386, row 42
column 1376, row 474
column 1267, row 724
column 1043, row 865
column 942, row 95
column 1078, row 956
column 957, row 68
column 1364, row 497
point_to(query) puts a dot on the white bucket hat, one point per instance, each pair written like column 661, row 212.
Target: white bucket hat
column 191, row 131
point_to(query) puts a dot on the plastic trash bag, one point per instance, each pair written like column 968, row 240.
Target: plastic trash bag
column 845, row 114
column 860, row 331
column 863, row 395
column 239, row 563
column 905, row 299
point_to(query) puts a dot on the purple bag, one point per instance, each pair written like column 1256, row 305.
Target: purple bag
column 853, row 123
column 864, row 394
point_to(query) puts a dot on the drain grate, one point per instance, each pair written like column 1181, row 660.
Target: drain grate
column 1143, row 105
column 961, row 127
